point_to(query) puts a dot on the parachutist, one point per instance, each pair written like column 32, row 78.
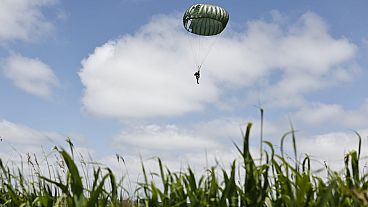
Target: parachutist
column 197, row 75
column 204, row 20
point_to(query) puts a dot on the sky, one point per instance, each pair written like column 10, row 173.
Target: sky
column 116, row 76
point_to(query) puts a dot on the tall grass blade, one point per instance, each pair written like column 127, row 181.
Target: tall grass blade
column 75, row 179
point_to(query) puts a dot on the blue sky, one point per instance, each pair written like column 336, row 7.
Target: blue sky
column 117, row 76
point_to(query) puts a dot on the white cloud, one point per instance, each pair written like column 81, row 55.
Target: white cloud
column 159, row 138
column 20, row 134
column 227, row 129
column 30, row 75
column 319, row 113
column 20, row 143
column 332, row 147
column 206, row 135
column 146, row 75
column 23, row 19
column 179, row 146
column 21, row 146
column 303, row 48
column 149, row 73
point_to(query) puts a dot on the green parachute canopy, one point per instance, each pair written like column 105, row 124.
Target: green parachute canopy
column 205, row 19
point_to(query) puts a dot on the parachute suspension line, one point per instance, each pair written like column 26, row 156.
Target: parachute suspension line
column 193, row 50
column 199, row 68
column 198, row 43
column 208, row 50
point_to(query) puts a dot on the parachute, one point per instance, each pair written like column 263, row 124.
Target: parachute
column 204, row 21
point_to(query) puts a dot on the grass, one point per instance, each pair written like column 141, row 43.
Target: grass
column 274, row 181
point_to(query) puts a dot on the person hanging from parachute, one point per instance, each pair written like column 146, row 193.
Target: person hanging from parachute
column 198, row 74
column 205, row 20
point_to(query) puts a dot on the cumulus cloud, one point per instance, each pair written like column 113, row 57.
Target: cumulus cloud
column 319, row 113
column 31, row 75
column 149, row 73
column 200, row 145
column 20, row 142
column 20, row 134
column 332, row 147
column 167, row 137
column 27, row 148
column 176, row 146
column 145, row 75
column 23, row 19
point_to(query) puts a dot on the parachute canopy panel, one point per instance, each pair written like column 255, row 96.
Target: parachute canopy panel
column 205, row 19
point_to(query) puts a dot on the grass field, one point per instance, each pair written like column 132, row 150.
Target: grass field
column 276, row 181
